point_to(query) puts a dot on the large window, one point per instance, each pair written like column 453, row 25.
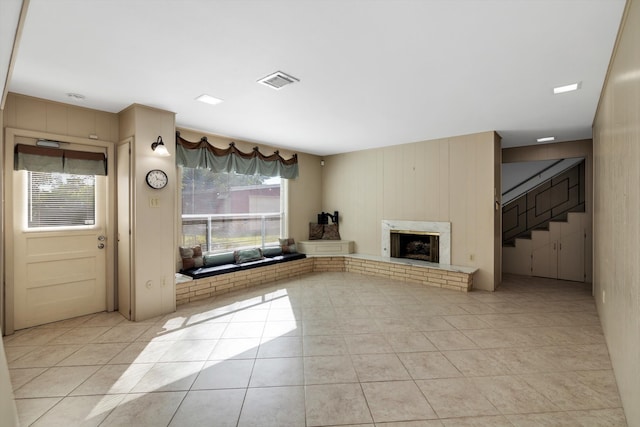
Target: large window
column 226, row 211
column 60, row 200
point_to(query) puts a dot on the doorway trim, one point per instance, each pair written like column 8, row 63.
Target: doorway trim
column 125, row 245
column 12, row 137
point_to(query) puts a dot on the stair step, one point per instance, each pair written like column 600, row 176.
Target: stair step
column 563, row 218
column 522, row 206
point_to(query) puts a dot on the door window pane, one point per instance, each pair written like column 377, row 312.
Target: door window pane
column 61, row 200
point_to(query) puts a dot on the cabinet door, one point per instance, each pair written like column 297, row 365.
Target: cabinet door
column 544, row 261
column 571, row 257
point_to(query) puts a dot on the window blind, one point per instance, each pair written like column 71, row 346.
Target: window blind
column 61, row 200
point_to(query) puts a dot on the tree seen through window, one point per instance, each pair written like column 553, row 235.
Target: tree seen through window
column 225, row 211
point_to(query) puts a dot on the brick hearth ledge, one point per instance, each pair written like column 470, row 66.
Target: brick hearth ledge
column 405, row 270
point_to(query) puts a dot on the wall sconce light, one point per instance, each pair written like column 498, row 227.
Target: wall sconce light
column 159, row 148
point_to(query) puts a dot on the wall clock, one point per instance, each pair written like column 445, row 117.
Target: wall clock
column 157, row 179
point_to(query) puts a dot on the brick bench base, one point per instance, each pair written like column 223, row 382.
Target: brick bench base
column 426, row 275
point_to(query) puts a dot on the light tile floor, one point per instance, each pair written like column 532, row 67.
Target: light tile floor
column 328, row 349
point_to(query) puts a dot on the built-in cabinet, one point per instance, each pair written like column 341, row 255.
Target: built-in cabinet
column 559, row 252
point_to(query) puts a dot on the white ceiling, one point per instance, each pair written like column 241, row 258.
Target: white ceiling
column 372, row 72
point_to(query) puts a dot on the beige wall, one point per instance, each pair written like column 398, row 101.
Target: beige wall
column 153, row 228
column 23, row 112
column 7, row 404
column 616, row 218
column 302, row 193
column 2, row 248
column 452, row 179
column 304, row 196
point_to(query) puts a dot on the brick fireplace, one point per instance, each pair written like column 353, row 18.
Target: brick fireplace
column 424, row 238
column 422, row 246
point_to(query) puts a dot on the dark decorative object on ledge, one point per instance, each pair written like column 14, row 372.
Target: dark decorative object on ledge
column 323, row 217
column 322, row 230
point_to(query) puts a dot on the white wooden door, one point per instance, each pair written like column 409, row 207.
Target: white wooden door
column 59, row 272
column 544, row 261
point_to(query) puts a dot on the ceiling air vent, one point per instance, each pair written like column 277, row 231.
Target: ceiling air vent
column 278, row 80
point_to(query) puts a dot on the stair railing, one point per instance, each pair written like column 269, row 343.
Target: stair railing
column 550, row 200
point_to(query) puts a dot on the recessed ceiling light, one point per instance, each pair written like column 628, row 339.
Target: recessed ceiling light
column 278, row 80
column 76, row 96
column 566, row 88
column 208, row 99
column 546, row 139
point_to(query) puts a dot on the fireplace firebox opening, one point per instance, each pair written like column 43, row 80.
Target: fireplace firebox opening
column 420, row 245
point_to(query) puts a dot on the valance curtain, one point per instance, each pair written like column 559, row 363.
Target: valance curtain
column 42, row 159
column 203, row 155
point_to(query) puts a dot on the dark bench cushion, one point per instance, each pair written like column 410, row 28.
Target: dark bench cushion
column 198, row 273
column 273, row 260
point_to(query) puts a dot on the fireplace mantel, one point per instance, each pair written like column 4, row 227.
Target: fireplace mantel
column 442, row 228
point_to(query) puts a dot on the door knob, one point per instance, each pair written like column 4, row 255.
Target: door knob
column 101, row 246
column 101, row 238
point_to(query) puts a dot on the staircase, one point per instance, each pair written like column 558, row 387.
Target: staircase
column 545, row 231
column 550, row 201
